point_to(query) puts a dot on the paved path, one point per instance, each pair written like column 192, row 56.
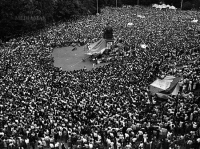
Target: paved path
column 70, row 60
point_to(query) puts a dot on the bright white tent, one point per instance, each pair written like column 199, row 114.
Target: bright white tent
column 155, row 5
column 172, row 7
column 163, row 6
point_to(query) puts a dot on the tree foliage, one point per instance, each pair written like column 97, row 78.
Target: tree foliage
column 187, row 5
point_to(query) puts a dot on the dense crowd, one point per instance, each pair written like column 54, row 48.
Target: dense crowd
column 111, row 106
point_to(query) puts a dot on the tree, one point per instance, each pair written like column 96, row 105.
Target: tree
column 45, row 8
column 129, row 2
column 90, row 5
column 196, row 4
column 187, row 6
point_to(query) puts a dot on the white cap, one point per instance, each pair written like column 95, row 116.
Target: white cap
column 126, row 135
column 198, row 140
column 57, row 144
column 134, row 139
column 90, row 146
column 51, row 145
column 140, row 132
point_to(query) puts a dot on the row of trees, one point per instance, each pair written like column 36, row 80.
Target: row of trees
column 20, row 16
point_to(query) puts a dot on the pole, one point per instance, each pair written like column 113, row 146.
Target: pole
column 176, row 109
column 116, row 3
column 137, row 2
column 181, row 4
column 97, row 6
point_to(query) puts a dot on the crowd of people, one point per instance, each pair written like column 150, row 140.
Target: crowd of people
column 109, row 107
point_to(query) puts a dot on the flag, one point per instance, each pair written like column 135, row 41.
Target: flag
column 172, row 86
column 168, row 85
column 162, row 97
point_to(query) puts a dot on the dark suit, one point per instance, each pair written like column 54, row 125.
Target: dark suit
column 156, row 145
column 147, row 145
column 165, row 145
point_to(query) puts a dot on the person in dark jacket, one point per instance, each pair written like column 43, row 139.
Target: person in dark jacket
column 165, row 144
column 148, row 144
column 1, row 143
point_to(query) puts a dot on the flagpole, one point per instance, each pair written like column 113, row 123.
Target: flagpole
column 181, row 4
column 97, row 6
column 137, row 2
column 176, row 109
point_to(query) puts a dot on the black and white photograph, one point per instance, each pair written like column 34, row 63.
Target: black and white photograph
column 99, row 74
